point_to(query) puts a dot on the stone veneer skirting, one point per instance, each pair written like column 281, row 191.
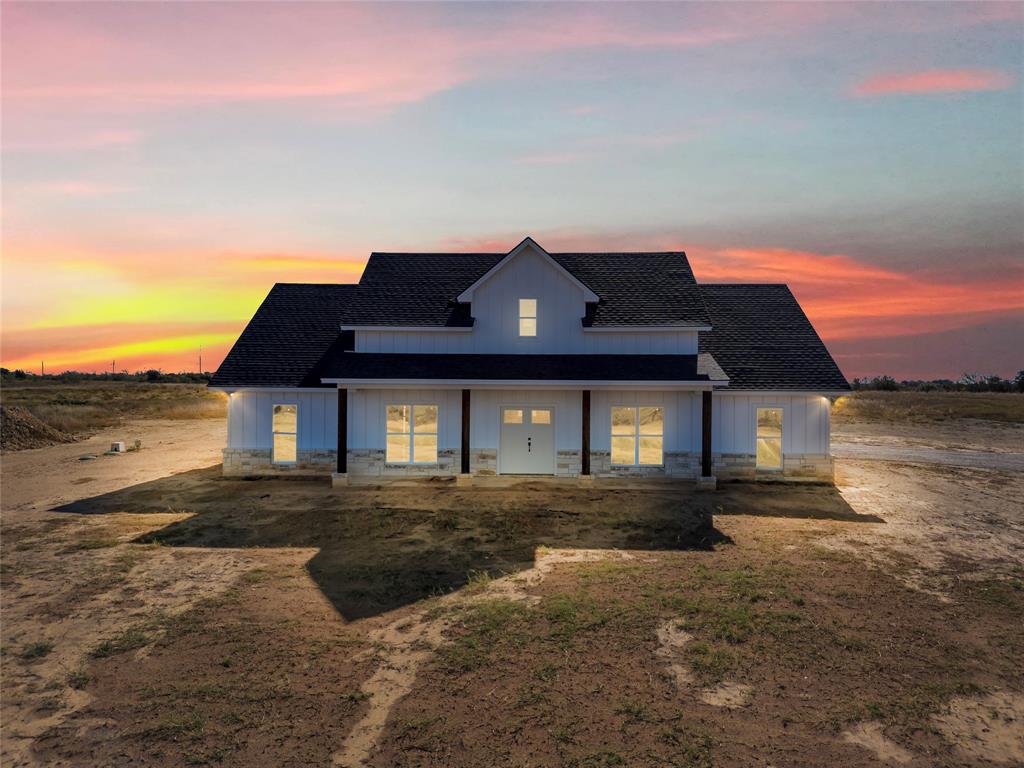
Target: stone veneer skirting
column 242, row 462
column 795, row 466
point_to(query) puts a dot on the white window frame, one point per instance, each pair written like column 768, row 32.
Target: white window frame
column 637, row 435
column 782, row 432
column 522, row 316
column 412, row 433
column 273, row 432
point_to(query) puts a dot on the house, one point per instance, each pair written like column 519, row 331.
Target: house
column 530, row 363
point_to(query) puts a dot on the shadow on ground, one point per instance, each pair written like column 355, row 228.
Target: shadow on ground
column 381, row 548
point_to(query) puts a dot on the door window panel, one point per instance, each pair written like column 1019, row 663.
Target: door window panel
column 540, row 416
column 512, row 416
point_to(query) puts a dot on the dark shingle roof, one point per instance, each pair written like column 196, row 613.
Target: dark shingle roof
column 634, row 288
column 289, row 334
column 763, row 340
column 372, row 365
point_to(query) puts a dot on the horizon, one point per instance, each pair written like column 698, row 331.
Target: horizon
column 164, row 165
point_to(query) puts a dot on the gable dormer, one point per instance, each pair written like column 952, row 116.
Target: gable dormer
column 527, row 301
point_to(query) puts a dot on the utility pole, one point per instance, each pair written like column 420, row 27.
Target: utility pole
column 112, row 362
column 42, row 367
column 200, row 359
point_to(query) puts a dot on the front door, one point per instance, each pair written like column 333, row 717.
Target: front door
column 527, row 441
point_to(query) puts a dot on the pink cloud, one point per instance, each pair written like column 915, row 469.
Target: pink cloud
column 934, row 81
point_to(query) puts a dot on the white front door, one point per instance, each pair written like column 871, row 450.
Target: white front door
column 527, row 441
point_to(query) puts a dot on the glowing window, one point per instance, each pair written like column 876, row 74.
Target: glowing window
column 637, row 435
column 527, row 317
column 769, row 438
column 512, row 416
column 412, row 434
column 540, row 416
column 285, row 428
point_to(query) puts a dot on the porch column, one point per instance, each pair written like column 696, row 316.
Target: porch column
column 705, row 436
column 465, row 431
column 342, row 430
column 585, row 442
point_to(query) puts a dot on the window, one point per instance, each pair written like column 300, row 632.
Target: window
column 512, row 416
column 769, row 438
column 527, row 317
column 637, row 435
column 285, row 426
column 412, row 434
column 540, row 416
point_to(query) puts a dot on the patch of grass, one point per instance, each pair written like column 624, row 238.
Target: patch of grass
column 477, row 581
column 35, row 650
column 1001, row 593
column 603, row 759
column 78, row 679
column 487, row 626
column 128, row 640
column 357, row 697
column 922, row 407
column 692, row 747
column 708, row 661
column 547, row 672
column 570, row 614
column 174, row 726
column 634, row 712
column 95, row 542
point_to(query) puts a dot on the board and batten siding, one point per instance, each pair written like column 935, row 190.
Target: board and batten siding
column 805, row 422
column 560, row 308
column 250, row 417
column 805, row 417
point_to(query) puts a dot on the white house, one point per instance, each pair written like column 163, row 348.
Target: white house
column 530, row 363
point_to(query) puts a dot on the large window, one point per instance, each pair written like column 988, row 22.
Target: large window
column 285, row 427
column 637, row 435
column 527, row 317
column 412, row 434
column 769, row 438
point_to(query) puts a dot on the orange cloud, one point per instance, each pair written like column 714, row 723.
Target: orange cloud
column 934, row 81
column 846, row 298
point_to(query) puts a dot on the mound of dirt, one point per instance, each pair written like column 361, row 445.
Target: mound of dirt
column 19, row 430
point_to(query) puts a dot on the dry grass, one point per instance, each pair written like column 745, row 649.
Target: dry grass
column 922, row 407
column 89, row 406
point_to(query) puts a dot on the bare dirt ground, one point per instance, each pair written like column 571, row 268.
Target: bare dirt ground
column 156, row 614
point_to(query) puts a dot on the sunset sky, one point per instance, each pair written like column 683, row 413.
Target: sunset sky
column 165, row 164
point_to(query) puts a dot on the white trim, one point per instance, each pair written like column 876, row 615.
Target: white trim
column 517, row 383
column 231, row 389
column 645, row 328
column 426, row 328
column 467, row 295
column 826, row 393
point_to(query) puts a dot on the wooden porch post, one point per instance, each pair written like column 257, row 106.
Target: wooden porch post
column 342, row 430
column 585, row 443
column 465, row 431
column 705, row 443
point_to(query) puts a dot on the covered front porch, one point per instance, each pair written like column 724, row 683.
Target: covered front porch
column 563, row 432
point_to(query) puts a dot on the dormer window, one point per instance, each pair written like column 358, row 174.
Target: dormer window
column 527, row 317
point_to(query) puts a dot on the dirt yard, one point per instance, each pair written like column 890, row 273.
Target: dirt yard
column 156, row 614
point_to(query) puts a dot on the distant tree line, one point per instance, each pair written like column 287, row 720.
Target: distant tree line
column 152, row 376
column 969, row 382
